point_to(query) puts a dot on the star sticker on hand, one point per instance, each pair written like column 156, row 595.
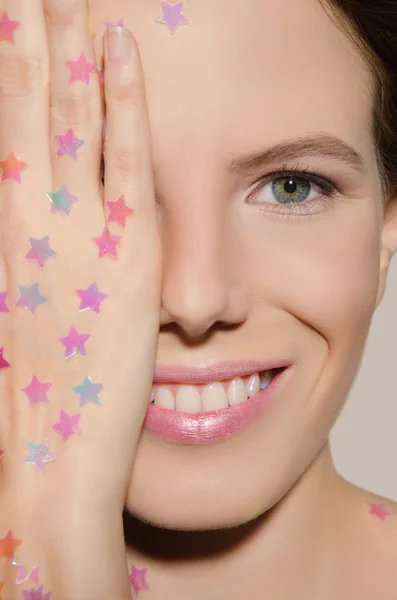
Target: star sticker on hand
column 7, row 28
column 68, row 144
column 40, row 250
column 80, row 69
column 88, row 391
column 91, row 298
column 62, row 200
column 25, row 575
column 36, row 391
column 11, row 168
column 379, row 510
column 172, row 16
column 3, row 363
column 107, row 243
column 8, row 545
column 74, row 342
column 39, row 455
column 138, row 579
column 30, row 297
column 118, row 211
column 3, row 307
column 67, row 425
column 38, row 594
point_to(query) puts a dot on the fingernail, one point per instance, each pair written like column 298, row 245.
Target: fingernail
column 119, row 41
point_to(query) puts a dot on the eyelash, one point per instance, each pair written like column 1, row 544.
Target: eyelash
column 329, row 190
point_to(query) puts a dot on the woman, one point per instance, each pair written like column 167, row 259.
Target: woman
column 253, row 221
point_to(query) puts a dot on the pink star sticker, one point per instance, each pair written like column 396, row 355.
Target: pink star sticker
column 1, row 453
column 74, row 342
column 80, row 69
column 7, row 28
column 379, row 510
column 119, row 211
column 172, row 16
column 25, row 575
column 3, row 363
column 38, row 594
column 39, row 250
column 119, row 23
column 107, row 243
column 11, row 168
column 68, row 144
column 3, row 307
column 91, row 298
column 67, row 425
column 37, row 391
column 138, row 579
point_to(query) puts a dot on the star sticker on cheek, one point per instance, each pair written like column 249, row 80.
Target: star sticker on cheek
column 107, row 243
column 23, row 575
column 36, row 594
column 3, row 363
column 30, row 298
column 3, row 307
column 37, row 391
column 67, row 425
column 88, row 391
column 40, row 250
column 172, row 16
column 138, row 579
column 118, row 211
column 74, row 342
column 91, row 298
column 8, row 545
column 11, row 168
column 68, row 144
column 379, row 510
column 80, row 69
column 39, row 455
column 7, row 28
column 62, row 201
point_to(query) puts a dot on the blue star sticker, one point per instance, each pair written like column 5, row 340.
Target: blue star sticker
column 39, row 455
column 88, row 391
column 62, row 200
column 30, row 298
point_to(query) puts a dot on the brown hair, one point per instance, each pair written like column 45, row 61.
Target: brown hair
column 372, row 26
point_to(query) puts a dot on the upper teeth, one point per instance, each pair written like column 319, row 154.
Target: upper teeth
column 212, row 396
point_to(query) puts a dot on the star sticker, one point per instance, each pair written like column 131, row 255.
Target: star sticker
column 80, row 69
column 379, row 510
column 118, row 211
column 3, row 306
column 68, row 144
column 67, row 425
column 39, row 455
column 3, row 363
column 88, row 391
column 107, row 243
column 62, row 200
column 23, row 575
column 36, row 594
column 138, row 579
column 7, row 28
column 30, row 297
column 11, row 168
column 37, row 391
column 119, row 23
column 74, row 342
column 172, row 16
column 91, row 298
column 40, row 250
column 8, row 545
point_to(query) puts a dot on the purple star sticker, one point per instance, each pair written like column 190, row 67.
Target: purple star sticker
column 80, row 69
column 39, row 250
column 68, row 144
column 74, row 342
column 30, row 297
column 38, row 594
column 119, row 23
column 138, row 579
column 37, row 391
column 62, row 200
column 172, row 16
column 88, row 391
column 3, row 307
column 39, row 455
column 91, row 298
column 67, row 425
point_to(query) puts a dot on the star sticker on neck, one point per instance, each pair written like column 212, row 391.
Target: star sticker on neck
column 138, row 579
column 7, row 28
column 36, row 391
column 11, row 168
column 30, row 298
column 62, row 200
column 39, row 455
column 91, row 298
column 38, row 594
column 118, row 212
column 74, row 342
column 40, row 250
column 107, row 243
column 68, row 144
column 8, row 545
column 67, row 425
column 3, row 363
column 80, row 69
column 379, row 510
column 3, row 307
column 88, row 391
column 172, row 16
column 25, row 575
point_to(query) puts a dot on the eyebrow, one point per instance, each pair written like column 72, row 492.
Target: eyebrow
column 320, row 145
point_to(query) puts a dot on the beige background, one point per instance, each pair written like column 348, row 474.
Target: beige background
column 364, row 438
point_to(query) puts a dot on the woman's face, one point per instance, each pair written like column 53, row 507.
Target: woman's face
column 248, row 275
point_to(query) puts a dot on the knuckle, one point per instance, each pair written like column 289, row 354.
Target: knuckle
column 124, row 160
column 73, row 109
column 21, row 75
column 62, row 12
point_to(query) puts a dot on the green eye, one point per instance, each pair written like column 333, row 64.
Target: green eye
column 291, row 189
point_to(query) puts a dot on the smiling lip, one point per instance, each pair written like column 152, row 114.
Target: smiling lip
column 212, row 426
